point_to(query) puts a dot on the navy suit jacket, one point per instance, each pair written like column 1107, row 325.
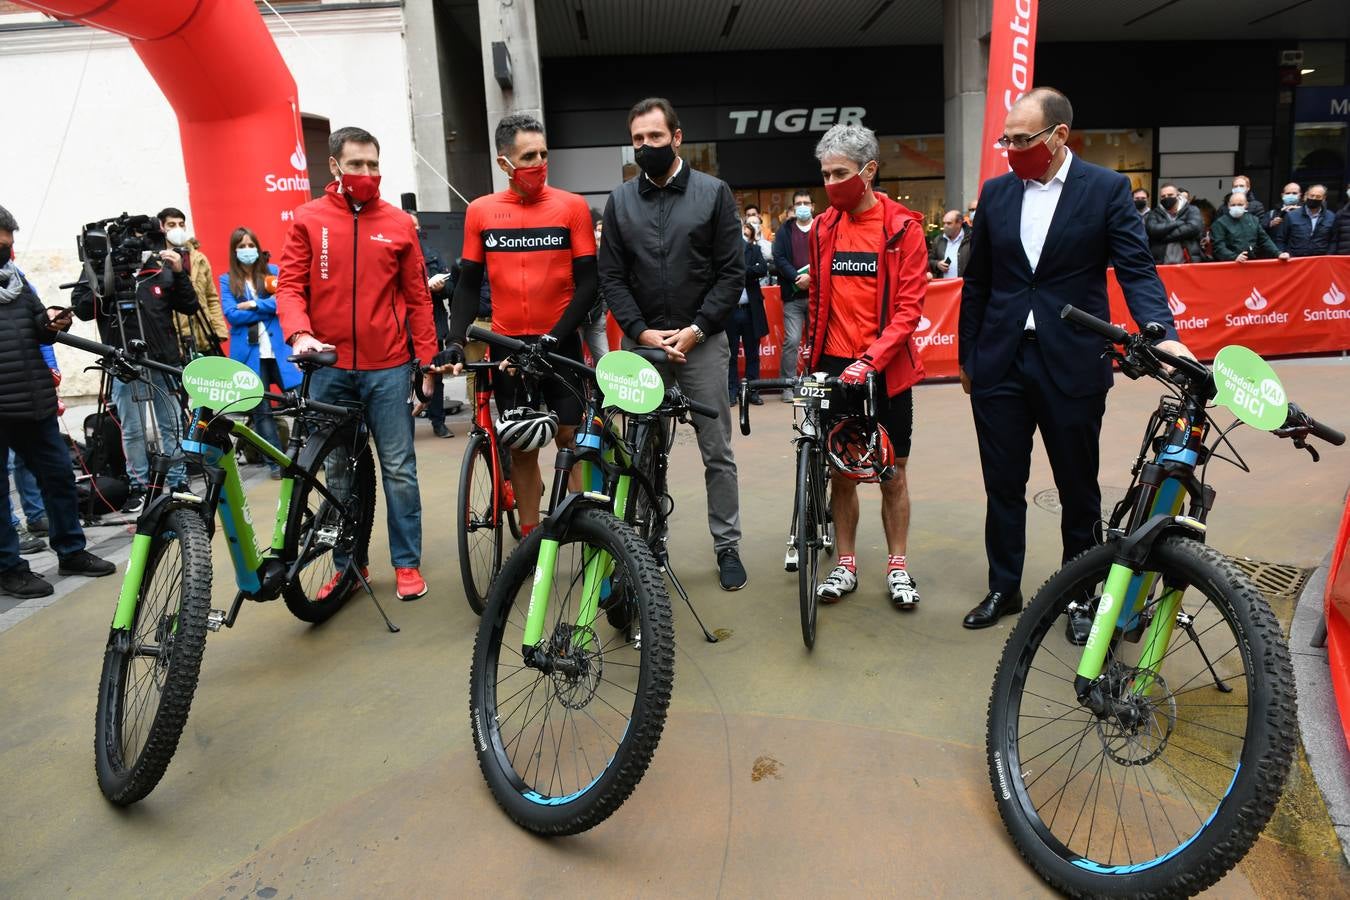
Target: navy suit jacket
column 1095, row 225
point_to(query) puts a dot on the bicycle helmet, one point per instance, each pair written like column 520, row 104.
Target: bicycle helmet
column 860, row 448
column 526, row 429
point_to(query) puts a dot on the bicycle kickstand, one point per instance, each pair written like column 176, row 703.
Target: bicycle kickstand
column 679, row 589
column 356, row 570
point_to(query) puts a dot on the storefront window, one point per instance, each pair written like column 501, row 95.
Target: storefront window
column 1128, row 151
column 1320, row 153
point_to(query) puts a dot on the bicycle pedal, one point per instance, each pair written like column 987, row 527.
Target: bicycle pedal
column 790, row 560
column 215, row 619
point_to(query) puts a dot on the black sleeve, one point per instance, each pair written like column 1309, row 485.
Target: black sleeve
column 756, row 268
column 182, row 296
column 82, row 300
column 782, row 255
column 44, row 334
column 728, row 262
column 464, row 303
column 614, row 276
column 977, row 285
column 586, row 283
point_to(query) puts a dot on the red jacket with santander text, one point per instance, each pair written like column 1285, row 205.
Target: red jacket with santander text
column 356, row 280
column 902, row 264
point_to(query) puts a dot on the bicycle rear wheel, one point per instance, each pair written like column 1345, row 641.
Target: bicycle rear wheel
column 150, row 671
column 479, row 523
column 808, row 539
column 324, row 536
column 561, row 751
column 1165, row 791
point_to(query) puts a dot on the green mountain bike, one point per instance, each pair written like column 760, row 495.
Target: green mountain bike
column 314, row 560
column 567, row 709
column 1146, row 763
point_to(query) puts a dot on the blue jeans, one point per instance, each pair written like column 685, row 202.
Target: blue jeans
column 130, row 400
column 29, row 495
column 40, row 447
column 385, row 395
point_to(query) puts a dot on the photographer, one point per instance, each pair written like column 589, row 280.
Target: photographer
column 203, row 332
column 151, row 285
column 28, row 426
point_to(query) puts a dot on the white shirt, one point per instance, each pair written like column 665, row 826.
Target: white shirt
column 953, row 248
column 1038, row 209
column 265, row 350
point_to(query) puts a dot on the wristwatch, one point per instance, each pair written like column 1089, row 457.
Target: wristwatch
column 699, row 336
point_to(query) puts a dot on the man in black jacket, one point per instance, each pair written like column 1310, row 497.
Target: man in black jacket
column 672, row 266
column 1174, row 227
column 791, row 254
column 162, row 289
column 28, row 426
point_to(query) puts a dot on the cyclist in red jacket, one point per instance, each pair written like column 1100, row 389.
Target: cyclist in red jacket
column 352, row 280
column 868, row 265
column 538, row 246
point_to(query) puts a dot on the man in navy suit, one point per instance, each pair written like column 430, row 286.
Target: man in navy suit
column 1045, row 234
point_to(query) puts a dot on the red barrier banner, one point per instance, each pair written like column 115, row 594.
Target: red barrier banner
column 1275, row 308
column 1012, row 57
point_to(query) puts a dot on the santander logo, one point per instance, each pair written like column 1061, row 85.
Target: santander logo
column 1175, row 305
column 298, row 161
column 924, row 324
column 1255, row 301
column 1334, row 297
column 491, row 241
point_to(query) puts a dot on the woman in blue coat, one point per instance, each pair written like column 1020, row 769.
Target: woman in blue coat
column 255, row 333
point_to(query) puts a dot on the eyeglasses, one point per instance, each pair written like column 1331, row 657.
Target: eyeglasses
column 1021, row 142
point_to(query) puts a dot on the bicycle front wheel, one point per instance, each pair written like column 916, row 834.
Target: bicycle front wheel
column 562, row 749
column 1165, row 789
column 809, row 520
column 323, row 534
column 150, row 670
column 479, row 523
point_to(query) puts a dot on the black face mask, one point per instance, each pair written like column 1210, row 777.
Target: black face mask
column 1169, row 203
column 655, row 161
column 6, row 253
column 1314, row 205
column 1140, row 203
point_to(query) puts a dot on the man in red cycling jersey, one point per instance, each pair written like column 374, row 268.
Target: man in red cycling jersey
column 539, row 249
column 868, row 265
column 352, row 280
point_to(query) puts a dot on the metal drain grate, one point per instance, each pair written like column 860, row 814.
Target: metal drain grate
column 1276, row 580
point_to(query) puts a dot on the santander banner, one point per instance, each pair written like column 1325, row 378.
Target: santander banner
column 1012, row 55
column 1275, row 308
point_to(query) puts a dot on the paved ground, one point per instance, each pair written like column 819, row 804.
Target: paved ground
column 336, row 761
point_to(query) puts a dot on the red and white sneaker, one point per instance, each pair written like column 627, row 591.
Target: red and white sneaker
column 336, row 580
column 410, row 584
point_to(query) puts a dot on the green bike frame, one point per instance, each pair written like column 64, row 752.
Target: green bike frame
column 231, row 504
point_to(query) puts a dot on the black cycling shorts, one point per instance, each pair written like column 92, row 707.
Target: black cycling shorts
column 896, row 414
column 512, row 390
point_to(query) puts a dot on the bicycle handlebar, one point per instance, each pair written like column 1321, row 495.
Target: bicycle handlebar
column 695, row 406
column 107, row 351
column 870, row 386
column 1300, row 421
column 515, row 346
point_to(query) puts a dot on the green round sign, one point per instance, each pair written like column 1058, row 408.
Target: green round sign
column 629, row 382
column 222, row 384
column 1249, row 387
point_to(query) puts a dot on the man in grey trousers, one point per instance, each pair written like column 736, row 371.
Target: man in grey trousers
column 672, row 267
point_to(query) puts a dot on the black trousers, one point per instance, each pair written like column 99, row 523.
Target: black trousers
column 1007, row 416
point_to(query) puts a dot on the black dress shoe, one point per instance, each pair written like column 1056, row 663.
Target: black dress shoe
column 994, row 606
column 1078, row 626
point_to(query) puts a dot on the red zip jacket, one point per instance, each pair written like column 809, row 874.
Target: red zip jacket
column 901, row 286
column 356, row 281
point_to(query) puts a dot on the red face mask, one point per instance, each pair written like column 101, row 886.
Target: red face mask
column 359, row 188
column 1031, row 162
column 847, row 194
column 530, row 179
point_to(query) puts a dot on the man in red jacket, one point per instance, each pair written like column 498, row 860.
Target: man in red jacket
column 868, row 262
column 352, row 280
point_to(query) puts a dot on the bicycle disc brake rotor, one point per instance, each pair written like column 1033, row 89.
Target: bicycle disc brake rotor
column 1136, row 730
column 575, row 684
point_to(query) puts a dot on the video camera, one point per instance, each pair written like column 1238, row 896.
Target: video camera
column 112, row 250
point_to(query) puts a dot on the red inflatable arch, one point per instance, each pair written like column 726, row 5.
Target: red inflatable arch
column 238, row 112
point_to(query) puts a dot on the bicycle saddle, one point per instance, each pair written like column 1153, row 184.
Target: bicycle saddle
column 654, row 355
column 314, row 359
